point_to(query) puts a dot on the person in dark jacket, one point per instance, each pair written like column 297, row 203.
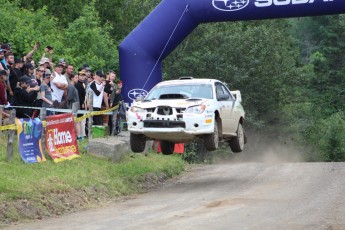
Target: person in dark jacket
column 80, row 86
column 24, row 96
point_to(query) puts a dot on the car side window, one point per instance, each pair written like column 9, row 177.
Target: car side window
column 223, row 93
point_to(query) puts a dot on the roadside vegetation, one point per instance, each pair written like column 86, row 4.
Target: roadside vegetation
column 35, row 191
column 291, row 72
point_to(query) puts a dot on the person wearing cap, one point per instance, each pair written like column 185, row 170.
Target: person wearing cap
column 48, row 73
column 97, row 87
column 80, row 86
column 6, row 47
column 63, row 63
column 15, row 74
column 38, row 81
column 46, row 93
column 58, row 84
column 24, row 96
column 88, row 75
column 28, row 69
column 44, row 62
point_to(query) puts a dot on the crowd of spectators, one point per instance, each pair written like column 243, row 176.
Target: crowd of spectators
column 29, row 85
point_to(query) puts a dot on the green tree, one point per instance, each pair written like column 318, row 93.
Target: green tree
column 124, row 16
column 66, row 11
column 23, row 28
column 86, row 41
column 254, row 57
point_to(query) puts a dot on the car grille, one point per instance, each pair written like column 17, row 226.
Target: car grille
column 164, row 124
column 164, row 110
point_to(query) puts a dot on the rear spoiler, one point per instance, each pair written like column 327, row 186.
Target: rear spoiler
column 237, row 95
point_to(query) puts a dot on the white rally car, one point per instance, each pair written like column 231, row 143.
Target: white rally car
column 178, row 111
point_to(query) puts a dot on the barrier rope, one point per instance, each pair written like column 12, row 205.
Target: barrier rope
column 76, row 119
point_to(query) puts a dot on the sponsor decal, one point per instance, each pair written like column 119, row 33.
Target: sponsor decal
column 61, row 140
column 266, row 3
column 230, row 5
column 29, row 140
column 234, row 5
column 208, row 121
column 138, row 116
column 209, row 116
column 135, row 93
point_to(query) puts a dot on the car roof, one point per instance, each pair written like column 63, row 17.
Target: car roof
column 187, row 81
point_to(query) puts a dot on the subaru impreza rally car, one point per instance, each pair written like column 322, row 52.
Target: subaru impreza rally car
column 179, row 111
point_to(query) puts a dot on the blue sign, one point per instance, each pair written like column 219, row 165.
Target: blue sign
column 29, row 140
column 143, row 50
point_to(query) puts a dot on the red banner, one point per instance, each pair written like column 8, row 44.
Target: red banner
column 61, row 141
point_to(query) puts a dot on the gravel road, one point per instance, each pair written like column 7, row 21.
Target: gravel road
column 234, row 195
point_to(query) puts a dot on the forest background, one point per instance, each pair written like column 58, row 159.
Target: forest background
column 291, row 72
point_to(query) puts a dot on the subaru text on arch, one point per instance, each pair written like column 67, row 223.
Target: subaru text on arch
column 179, row 111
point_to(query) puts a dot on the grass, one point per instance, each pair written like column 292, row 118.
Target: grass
column 89, row 177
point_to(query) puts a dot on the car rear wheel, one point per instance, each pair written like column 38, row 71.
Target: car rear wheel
column 211, row 141
column 237, row 143
column 167, row 147
column 137, row 142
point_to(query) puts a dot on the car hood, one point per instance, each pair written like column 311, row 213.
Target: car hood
column 172, row 103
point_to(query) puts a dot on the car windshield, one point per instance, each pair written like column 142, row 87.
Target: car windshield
column 181, row 92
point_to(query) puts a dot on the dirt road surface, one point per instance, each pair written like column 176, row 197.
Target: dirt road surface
column 234, row 195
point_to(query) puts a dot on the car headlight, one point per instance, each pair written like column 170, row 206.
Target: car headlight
column 135, row 109
column 196, row 109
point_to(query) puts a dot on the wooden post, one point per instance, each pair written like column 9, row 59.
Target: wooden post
column 90, row 104
column 11, row 136
column 43, row 116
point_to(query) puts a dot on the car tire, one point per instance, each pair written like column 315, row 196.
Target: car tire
column 237, row 143
column 167, row 147
column 137, row 142
column 211, row 141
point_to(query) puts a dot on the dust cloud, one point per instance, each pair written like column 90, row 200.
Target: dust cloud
column 264, row 148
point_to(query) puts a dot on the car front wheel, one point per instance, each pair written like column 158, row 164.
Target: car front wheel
column 137, row 142
column 211, row 141
column 237, row 143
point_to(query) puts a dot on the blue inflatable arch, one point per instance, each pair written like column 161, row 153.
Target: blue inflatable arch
column 142, row 51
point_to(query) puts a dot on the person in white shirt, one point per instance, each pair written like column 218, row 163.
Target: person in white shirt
column 97, row 87
column 58, row 84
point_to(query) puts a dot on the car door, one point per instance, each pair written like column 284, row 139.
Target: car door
column 227, row 102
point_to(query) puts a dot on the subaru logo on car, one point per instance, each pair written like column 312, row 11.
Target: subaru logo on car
column 135, row 93
column 230, row 5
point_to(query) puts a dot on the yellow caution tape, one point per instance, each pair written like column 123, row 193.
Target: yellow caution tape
column 95, row 113
column 8, row 127
column 78, row 119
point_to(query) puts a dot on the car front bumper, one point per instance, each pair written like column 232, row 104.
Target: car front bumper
column 170, row 128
